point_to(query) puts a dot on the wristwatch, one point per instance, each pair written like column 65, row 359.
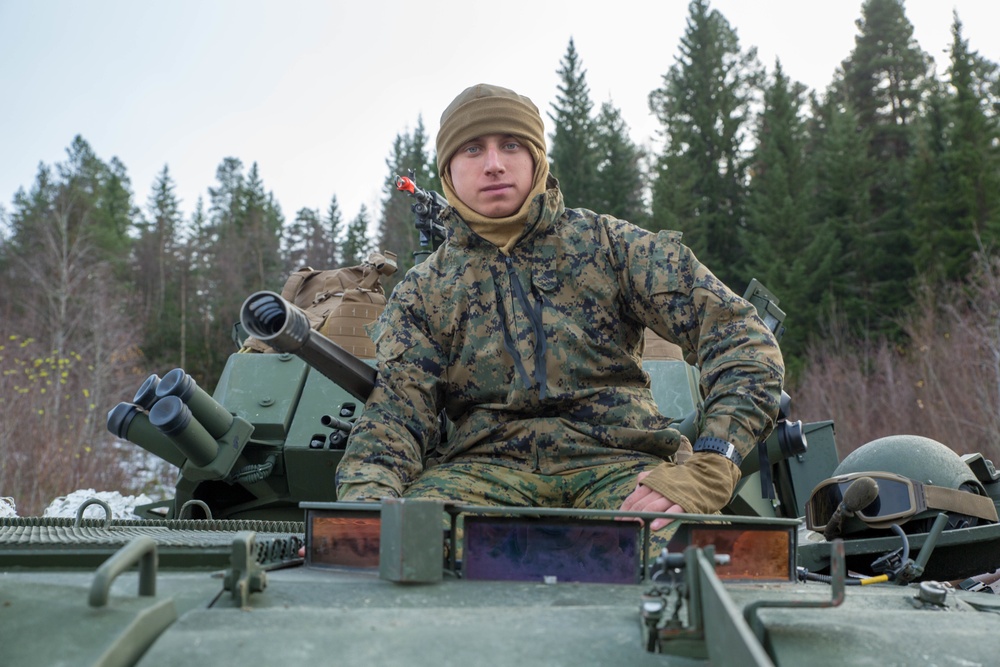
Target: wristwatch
column 719, row 446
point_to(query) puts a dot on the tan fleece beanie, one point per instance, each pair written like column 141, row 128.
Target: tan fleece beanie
column 480, row 110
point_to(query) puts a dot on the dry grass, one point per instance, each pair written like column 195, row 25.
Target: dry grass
column 944, row 384
column 53, row 438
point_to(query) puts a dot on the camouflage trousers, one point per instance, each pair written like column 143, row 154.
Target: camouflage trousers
column 595, row 487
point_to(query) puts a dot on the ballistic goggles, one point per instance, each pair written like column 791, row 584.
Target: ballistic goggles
column 899, row 500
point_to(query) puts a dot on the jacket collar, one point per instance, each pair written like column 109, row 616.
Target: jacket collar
column 545, row 209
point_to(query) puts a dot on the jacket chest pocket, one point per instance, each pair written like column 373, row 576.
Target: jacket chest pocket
column 581, row 302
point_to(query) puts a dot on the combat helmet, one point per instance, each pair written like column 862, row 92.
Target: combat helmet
column 907, row 480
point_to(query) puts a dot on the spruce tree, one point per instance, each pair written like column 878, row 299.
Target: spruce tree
column 396, row 232
column 226, row 198
column 572, row 155
column 224, row 277
column 884, row 80
column 192, row 267
column 299, row 238
column 261, row 224
column 356, row 245
column 159, row 234
column 620, row 185
column 158, row 258
column 839, row 217
column 778, row 231
column 70, row 232
column 327, row 245
column 957, row 173
column 243, row 251
column 311, row 239
column 703, row 107
column 199, row 329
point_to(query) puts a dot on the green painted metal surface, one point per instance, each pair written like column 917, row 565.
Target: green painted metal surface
column 233, row 593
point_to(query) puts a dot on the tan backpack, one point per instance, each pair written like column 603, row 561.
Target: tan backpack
column 339, row 302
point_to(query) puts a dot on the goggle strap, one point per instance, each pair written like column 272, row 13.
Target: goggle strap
column 961, row 502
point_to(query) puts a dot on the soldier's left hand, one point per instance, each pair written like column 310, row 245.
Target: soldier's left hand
column 644, row 499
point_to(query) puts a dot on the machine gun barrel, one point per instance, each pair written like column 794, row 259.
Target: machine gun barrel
column 285, row 327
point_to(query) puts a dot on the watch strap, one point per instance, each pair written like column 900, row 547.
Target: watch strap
column 719, row 446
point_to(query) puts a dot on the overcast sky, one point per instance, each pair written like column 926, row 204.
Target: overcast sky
column 315, row 92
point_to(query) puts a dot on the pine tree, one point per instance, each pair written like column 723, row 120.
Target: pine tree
column 573, row 154
column 704, row 106
column 620, row 185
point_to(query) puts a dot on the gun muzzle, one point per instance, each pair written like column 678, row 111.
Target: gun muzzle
column 282, row 325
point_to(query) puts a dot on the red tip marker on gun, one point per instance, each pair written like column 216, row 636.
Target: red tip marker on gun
column 427, row 207
column 404, row 184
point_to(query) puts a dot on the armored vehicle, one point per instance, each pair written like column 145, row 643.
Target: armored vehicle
column 884, row 558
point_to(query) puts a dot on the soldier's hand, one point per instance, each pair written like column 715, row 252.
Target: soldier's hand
column 644, row 499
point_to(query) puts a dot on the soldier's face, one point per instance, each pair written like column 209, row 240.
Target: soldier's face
column 492, row 174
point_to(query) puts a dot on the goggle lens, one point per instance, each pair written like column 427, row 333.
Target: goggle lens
column 894, row 499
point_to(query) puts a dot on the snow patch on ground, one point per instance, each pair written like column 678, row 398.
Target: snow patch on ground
column 122, row 507
column 7, row 507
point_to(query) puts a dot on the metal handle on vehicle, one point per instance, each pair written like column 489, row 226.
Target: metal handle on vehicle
column 87, row 503
column 141, row 550
column 195, row 503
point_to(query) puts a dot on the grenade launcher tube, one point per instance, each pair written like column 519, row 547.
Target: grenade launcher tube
column 282, row 325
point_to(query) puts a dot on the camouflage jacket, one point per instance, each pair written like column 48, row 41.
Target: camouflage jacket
column 536, row 357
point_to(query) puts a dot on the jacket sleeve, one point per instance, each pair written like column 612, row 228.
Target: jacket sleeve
column 740, row 364
column 399, row 424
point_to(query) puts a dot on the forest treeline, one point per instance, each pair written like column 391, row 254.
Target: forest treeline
column 871, row 209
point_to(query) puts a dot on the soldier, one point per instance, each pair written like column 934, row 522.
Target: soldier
column 526, row 329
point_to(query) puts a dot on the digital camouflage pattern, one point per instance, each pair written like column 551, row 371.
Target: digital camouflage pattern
column 535, row 357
